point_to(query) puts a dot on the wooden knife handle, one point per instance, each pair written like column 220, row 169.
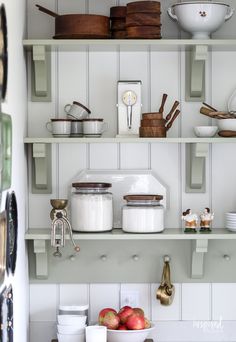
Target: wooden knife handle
column 164, row 97
column 174, row 107
column 227, row 134
column 47, row 11
column 173, row 119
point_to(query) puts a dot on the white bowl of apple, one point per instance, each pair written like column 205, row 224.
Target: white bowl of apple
column 127, row 325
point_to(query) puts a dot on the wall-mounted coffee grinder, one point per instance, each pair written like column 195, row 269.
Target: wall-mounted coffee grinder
column 129, row 108
column 60, row 224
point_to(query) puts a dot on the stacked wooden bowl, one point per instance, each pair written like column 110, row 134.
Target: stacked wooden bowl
column 143, row 20
column 118, row 19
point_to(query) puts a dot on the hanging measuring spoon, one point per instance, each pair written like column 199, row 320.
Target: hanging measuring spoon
column 129, row 99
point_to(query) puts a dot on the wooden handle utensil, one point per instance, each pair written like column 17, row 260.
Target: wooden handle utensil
column 174, row 107
column 161, row 109
column 170, row 123
column 210, row 107
column 47, row 11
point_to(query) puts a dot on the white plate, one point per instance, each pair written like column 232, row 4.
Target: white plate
column 125, row 182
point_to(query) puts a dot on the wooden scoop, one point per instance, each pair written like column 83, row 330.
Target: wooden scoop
column 170, row 123
column 47, row 11
column 174, row 107
column 161, row 109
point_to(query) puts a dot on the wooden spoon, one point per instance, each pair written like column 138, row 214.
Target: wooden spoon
column 47, row 11
column 207, row 105
column 227, row 134
column 161, row 109
column 174, row 107
column 170, row 123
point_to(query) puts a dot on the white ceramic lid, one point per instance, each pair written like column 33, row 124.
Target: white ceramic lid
column 73, row 307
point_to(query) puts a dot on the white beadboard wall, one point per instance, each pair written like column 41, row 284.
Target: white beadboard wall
column 200, row 312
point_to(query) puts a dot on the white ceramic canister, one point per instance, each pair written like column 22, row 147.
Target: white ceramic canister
column 91, row 207
column 143, row 214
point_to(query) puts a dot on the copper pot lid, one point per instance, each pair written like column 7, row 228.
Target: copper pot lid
column 82, row 106
column 143, row 197
column 91, row 185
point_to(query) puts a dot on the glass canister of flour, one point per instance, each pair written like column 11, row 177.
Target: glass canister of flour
column 143, row 214
column 91, row 207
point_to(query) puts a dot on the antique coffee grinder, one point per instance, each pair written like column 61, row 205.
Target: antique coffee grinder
column 60, row 224
column 129, row 108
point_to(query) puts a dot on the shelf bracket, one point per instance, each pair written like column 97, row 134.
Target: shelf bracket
column 41, row 169
column 199, row 247
column 196, row 167
column 41, row 74
column 195, row 73
column 40, row 250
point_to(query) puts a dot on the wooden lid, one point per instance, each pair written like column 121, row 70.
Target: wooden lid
column 143, row 197
column 91, row 185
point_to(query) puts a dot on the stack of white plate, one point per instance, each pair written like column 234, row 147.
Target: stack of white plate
column 71, row 328
column 231, row 221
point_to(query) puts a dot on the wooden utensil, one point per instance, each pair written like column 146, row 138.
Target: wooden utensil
column 163, row 101
column 210, row 107
column 227, row 134
column 79, row 26
column 170, row 123
column 174, row 107
column 216, row 115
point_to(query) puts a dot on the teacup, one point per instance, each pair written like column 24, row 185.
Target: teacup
column 76, row 111
column 59, row 127
column 76, row 128
column 94, row 127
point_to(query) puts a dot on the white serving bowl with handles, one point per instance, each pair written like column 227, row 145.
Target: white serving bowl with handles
column 200, row 18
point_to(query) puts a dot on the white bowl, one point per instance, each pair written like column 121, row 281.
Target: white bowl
column 128, row 335
column 71, row 338
column 77, row 320
column 200, row 18
column 205, row 131
column 227, row 124
column 70, row 329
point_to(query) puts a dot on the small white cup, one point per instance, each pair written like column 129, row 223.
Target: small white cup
column 94, row 127
column 96, row 333
column 76, row 128
column 59, row 127
column 76, row 110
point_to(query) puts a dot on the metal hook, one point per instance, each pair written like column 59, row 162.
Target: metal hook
column 166, row 258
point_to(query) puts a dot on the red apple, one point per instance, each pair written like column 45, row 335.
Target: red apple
column 135, row 322
column 102, row 314
column 138, row 311
column 124, row 313
column 122, row 327
column 111, row 320
column 147, row 323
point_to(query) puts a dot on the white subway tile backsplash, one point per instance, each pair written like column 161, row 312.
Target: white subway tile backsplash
column 196, row 301
column 224, row 302
column 74, row 294
column 166, row 313
column 134, row 156
column 43, row 302
column 143, row 291
column 103, row 156
column 101, row 296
